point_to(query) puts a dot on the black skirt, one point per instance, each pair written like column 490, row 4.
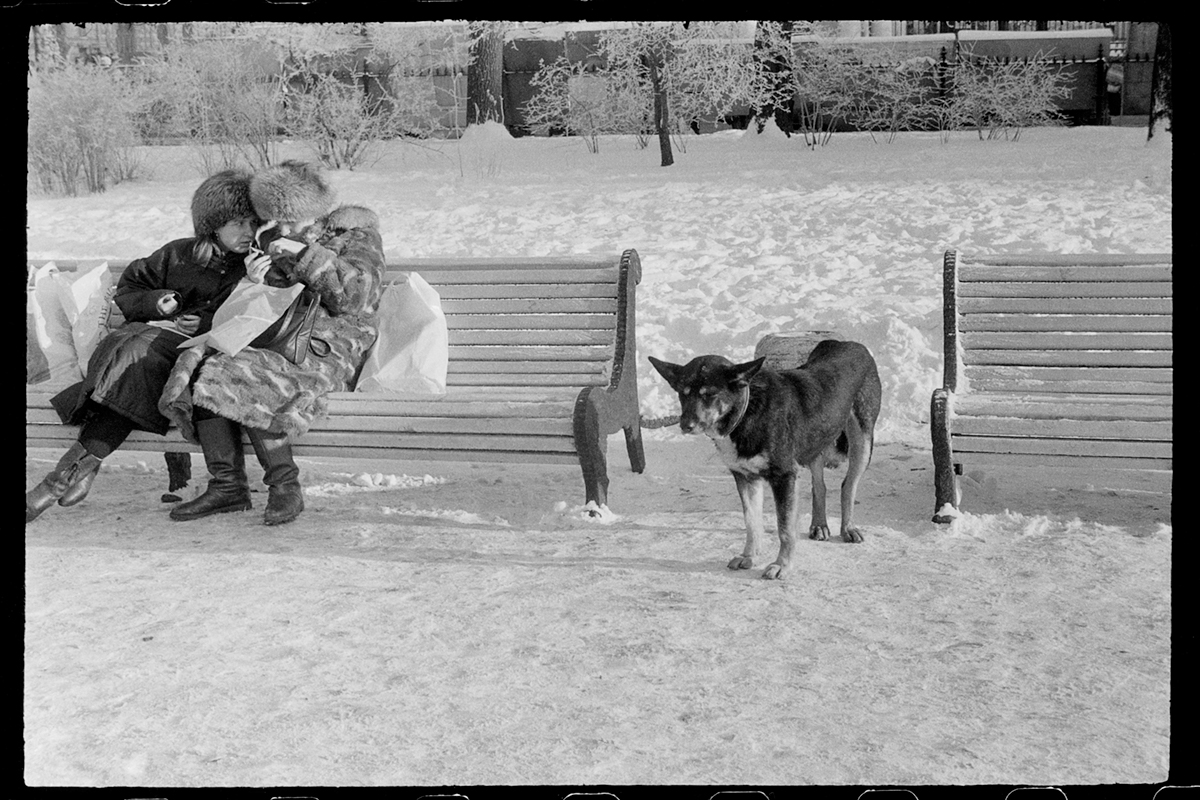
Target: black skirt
column 126, row 373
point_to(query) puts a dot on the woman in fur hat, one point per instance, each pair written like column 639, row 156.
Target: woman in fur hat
column 165, row 298
column 211, row 395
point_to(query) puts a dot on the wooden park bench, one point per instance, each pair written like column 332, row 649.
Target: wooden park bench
column 542, row 369
column 1053, row 360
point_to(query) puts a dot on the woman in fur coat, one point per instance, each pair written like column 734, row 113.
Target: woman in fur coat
column 212, row 395
column 165, row 298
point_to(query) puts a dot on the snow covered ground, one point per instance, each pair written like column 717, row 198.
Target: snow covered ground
column 454, row 624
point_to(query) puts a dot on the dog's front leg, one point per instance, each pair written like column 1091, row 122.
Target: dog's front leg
column 784, row 489
column 819, row 529
column 750, row 490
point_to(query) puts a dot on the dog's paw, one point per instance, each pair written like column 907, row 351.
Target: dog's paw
column 853, row 535
column 741, row 562
column 819, row 532
column 774, row 572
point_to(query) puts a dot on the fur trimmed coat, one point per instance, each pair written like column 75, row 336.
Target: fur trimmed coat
column 343, row 263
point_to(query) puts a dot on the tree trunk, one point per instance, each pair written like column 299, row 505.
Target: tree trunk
column 1160, row 86
column 126, row 42
column 661, row 111
column 485, row 75
column 64, row 44
column 778, row 68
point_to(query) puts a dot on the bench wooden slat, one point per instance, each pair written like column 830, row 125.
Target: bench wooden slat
column 466, row 351
column 501, row 264
column 566, row 306
column 35, row 418
column 417, row 408
column 1160, row 466
column 1063, row 428
column 1059, row 260
column 1120, row 272
column 1069, row 358
column 394, row 424
column 1089, row 448
column 1133, row 323
column 524, row 379
column 1066, row 340
column 1072, row 289
column 1065, row 305
column 1060, row 375
column 439, row 441
column 305, row 450
column 463, row 367
column 506, row 338
column 1082, row 387
column 437, row 278
column 493, row 291
column 1078, row 407
column 487, row 321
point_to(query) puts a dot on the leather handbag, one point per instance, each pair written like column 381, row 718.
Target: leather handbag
column 292, row 334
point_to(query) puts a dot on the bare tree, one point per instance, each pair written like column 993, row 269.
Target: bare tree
column 1160, row 89
column 772, row 48
column 485, row 75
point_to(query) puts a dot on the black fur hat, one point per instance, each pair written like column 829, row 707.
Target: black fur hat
column 291, row 191
column 222, row 197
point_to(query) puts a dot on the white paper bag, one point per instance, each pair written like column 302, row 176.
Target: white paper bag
column 51, row 328
column 249, row 310
column 84, row 297
column 412, row 352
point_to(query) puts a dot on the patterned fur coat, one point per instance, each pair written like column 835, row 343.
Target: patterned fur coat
column 344, row 264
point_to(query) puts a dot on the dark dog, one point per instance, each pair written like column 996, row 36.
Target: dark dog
column 767, row 425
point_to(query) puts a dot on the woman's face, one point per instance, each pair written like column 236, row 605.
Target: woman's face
column 292, row 229
column 238, row 234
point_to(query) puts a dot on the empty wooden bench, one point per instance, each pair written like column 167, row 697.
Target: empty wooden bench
column 542, row 369
column 1056, row 360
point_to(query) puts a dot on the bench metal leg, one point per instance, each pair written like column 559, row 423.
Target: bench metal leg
column 945, row 484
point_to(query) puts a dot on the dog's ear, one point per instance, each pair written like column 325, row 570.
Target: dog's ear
column 668, row 370
column 743, row 373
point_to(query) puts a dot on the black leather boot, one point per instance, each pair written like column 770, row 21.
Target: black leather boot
column 228, row 489
column 81, row 483
column 285, row 498
column 76, row 466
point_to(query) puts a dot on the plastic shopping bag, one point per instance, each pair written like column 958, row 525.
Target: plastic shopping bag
column 249, row 310
column 412, row 352
column 84, row 297
column 56, row 304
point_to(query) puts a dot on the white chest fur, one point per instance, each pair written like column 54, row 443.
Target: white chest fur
column 729, row 457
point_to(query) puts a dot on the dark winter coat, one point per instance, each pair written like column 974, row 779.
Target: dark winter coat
column 130, row 366
column 344, row 264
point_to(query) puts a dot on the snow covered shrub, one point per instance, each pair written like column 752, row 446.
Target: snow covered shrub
column 224, row 97
column 81, row 128
column 895, row 97
column 569, row 100
column 343, row 103
column 338, row 120
column 832, row 87
column 1004, row 97
column 705, row 71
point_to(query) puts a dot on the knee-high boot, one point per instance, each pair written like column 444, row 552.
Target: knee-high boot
column 285, row 498
column 77, row 466
column 228, row 489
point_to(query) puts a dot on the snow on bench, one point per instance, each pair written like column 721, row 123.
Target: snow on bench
column 1053, row 360
column 542, row 369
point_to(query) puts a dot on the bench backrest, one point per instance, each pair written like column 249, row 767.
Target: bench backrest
column 522, row 321
column 1058, row 323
